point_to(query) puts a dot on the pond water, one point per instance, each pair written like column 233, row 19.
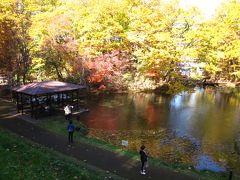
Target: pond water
column 200, row 128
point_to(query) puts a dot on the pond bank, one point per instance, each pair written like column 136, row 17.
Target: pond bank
column 110, row 162
column 104, row 159
column 173, row 166
column 191, row 116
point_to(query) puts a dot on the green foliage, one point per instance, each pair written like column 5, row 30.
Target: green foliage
column 22, row 160
column 176, row 87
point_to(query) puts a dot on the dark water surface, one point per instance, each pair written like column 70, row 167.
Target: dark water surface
column 199, row 128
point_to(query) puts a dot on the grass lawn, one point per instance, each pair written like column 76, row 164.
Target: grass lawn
column 58, row 124
column 22, row 159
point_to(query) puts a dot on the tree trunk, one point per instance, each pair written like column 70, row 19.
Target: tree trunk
column 59, row 74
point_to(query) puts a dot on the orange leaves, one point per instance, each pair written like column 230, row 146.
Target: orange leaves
column 96, row 78
column 151, row 74
column 106, row 70
column 99, row 70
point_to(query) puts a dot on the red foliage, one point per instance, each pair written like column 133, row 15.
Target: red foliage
column 107, row 69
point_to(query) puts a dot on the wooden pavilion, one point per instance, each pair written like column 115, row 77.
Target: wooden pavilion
column 42, row 96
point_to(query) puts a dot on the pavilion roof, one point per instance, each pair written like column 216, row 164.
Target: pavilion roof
column 46, row 87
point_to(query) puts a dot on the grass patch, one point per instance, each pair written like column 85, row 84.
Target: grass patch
column 58, row 125
column 22, row 159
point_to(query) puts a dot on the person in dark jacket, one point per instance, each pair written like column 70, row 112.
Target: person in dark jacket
column 144, row 158
column 70, row 129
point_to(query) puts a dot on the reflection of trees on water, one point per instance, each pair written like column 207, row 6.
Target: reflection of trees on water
column 199, row 115
column 205, row 121
column 152, row 110
column 211, row 117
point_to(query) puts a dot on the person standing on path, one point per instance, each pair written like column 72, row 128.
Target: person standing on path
column 68, row 112
column 144, row 158
column 70, row 129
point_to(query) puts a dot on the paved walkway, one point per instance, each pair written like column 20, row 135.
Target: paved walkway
column 103, row 159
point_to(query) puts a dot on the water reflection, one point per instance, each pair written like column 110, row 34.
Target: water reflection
column 205, row 162
column 181, row 128
column 206, row 115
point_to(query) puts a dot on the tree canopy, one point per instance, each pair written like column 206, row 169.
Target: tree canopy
column 116, row 44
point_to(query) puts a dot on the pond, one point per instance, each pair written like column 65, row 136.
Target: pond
column 200, row 128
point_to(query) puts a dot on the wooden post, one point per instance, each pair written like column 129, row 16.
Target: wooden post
column 72, row 96
column 62, row 100
column 67, row 100
column 58, row 99
column 78, row 99
column 47, row 100
column 22, row 102
column 36, row 107
column 31, row 101
column 50, row 105
column 17, row 102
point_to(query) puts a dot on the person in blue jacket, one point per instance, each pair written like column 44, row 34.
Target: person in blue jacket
column 71, row 129
column 144, row 158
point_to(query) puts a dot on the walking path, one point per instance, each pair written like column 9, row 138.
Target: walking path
column 102, row 159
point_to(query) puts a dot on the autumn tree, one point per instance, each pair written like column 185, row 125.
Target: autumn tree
column 116, row 43
column 8, row 39
column 216, row 43
column 14, row 38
